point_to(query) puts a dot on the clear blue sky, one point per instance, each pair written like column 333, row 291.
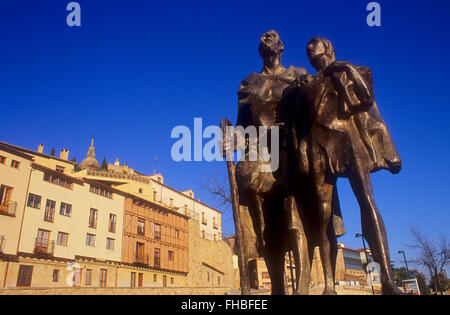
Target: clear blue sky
column 135, row 69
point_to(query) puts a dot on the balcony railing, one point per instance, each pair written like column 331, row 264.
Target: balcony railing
column 43, row 246
column 2, row 243
column 8, row 208
column 142, row 259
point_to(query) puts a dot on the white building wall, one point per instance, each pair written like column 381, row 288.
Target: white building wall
column 18, row 180
column 82, row 200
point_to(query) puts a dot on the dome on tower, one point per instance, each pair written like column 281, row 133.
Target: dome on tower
column 90, row 161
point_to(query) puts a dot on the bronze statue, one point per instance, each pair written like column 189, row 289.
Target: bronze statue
column 268, row 99
column 340, row 133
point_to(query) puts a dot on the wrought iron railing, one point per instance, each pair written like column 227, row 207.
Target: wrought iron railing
column 43, row 246
column 142, row 259
column 8, row 208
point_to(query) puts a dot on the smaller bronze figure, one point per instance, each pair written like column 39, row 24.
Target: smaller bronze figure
column 341, row 133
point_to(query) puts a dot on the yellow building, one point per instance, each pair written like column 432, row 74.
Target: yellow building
column 64, row 226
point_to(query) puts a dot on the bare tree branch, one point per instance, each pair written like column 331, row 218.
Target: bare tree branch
column 430, row 255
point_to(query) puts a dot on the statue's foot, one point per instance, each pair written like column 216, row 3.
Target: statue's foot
column 390, row 288
column 329, row 291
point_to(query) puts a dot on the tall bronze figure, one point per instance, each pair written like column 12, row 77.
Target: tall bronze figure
column 340, row 133
column 262, row 101
column 268, row 99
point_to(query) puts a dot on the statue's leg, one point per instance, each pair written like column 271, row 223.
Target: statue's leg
column 275, row 259
column 333, row 248
column 324, row 192
column 373, row 227
column 299, row 247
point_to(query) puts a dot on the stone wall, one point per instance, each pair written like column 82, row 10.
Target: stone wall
column 209, row 261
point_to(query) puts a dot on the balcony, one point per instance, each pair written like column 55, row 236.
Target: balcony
column 2, row 243
column 45, row 247
column 8, row 208
column 141, row 260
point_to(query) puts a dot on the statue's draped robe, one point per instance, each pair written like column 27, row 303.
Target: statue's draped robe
column 344, row 130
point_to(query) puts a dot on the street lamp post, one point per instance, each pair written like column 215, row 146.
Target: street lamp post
column 367, row 260
column 406, row 263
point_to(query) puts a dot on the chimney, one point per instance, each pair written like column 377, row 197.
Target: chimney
column 117, row 163
column 40, row 148
column 64, row 154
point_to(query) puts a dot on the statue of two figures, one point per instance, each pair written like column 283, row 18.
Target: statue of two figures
column 329, row 126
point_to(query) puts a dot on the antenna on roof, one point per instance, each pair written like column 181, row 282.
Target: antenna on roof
column 154, row 165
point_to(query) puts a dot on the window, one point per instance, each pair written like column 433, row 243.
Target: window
column 140, row 280
column 214, row 223
column 54, row 179
column 55, row 275
column 34, row 201
column 15, row 164
column 102, row 282
column 157, row 232
column 140, row 250
column 88, row 278
column 2, row 160
column 62, row 239
column 110, row 243
column 112, row 223
column 60, row 169
column 164, row 281
column 24, row 276
column 203, row 218
column 154, row 196
column 155, row 277
column 141, row 227
column 5, row 194
column 157, row 257
column 171, row 201
column 101, row 191
column 90, row 240
column 141, row 190
column 185, row 209
column 93, row 215
column 66, row 209
column 218, row 280
column 203, row 234
column 177, row 234
column 208, row 275
column 7, row 206
column 133, row 279
column 171, row 280
column 49, row 215
column 170, row 255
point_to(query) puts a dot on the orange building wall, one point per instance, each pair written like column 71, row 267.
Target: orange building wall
column 169, row 222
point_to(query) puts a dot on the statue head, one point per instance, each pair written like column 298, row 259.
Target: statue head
column 320, row 52
column 270, row 45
